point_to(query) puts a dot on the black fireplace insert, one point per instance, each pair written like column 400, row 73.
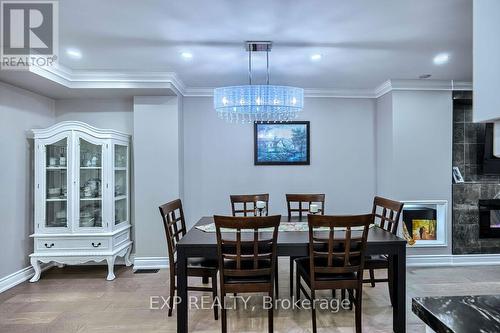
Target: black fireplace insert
column 489, row 218
column 421, row 222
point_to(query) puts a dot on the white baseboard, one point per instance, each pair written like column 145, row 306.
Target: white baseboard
column 20, row 276
column 150, row 262
column 452, row 260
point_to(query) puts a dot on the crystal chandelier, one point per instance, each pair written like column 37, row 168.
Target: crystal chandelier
column 258, row 102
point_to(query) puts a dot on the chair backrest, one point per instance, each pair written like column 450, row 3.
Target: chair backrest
column 246, row 204
column 251, row 253
column 175, row 225
column 338, row 252
column 302, row 202
column 386, row 213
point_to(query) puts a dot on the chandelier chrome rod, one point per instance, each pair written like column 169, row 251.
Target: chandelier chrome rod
column 267, row 66
column 250, row 66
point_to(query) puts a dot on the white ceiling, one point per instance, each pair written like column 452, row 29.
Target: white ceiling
column 362, row 42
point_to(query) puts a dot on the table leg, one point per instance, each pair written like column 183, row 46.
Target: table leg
column 399, row 291
column 182, row 307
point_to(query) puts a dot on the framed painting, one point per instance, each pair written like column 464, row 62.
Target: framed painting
column 282, row 143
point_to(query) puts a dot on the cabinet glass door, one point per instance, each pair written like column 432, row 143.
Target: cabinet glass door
column 121, row 184
column 56, row 184
column 90, row 184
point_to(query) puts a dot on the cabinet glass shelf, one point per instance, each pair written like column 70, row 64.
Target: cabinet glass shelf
column 90, row 184
column 56, row 184
column 121, row 184
column 56, row 199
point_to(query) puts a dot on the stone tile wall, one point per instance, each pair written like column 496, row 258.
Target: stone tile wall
column 468, row 151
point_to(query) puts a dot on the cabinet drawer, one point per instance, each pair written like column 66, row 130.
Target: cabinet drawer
column 70, row 244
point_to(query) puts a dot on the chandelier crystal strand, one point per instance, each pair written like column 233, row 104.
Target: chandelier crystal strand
column 259, row 102
column 250, row 103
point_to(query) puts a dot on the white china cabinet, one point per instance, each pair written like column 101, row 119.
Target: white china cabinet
column 81, row 196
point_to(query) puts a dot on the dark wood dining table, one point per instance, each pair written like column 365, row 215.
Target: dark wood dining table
column 197, row 243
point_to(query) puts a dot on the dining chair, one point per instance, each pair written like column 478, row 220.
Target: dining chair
column 386, row 214
column 247, row 257
column 246, row 204
column 298, row 204
column 175, row 228
column 336, row 259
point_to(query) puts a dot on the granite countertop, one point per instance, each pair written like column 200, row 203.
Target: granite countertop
column 459, row 314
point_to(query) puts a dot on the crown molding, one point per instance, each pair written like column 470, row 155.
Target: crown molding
column 83, row 79
column 339, row 93
column 425, row 85
column 308, row 92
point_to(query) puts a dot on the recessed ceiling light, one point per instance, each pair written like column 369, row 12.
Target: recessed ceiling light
column 316, row 57
column 187, row 55
column 74, row 53
column 441, row 59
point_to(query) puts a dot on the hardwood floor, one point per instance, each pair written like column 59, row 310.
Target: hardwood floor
column 79, row 299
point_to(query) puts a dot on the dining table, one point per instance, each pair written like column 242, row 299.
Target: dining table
column 200, row 243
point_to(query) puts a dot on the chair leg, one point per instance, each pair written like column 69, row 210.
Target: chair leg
column 291, row 276
column 214, row 295
column 313, row 311
column 276, row 280
column 351, row 298
column 172, row 294
column 334, row 293
column 372, row 278
column 358, row 310
column 270, row 313
column 297, row 285
column 223, row 316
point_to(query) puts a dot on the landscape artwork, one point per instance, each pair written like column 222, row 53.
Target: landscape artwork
column 282, row 143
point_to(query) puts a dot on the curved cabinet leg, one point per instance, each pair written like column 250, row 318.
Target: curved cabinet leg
column 111, row 267
column 38, row 270
column 128, row 262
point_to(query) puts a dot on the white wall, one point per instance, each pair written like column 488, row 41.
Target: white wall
column 423, row 122
column 116, row 113
column 384, row 143
column 156, row 169
column 419, row 154
column 20, row 111
column 486, row 60
column 218, row 159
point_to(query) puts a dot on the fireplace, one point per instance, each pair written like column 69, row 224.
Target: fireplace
column 421, row 222
column 426, row 222
column 489, row 218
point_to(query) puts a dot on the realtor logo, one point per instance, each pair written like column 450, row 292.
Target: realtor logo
column 28, row 34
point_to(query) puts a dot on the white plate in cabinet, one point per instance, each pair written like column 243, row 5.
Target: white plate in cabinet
column 82, row 196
